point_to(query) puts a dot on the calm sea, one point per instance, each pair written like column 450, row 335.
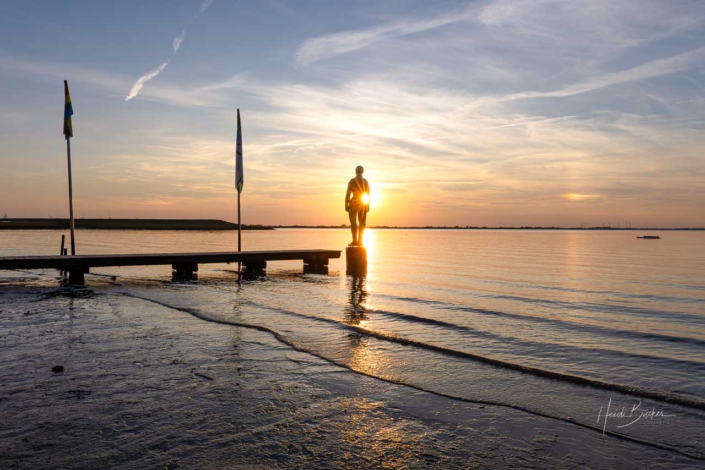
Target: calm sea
column 556, row 323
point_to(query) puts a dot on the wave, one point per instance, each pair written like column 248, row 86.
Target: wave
column 569, row 306
column 647, row 393
column 692, row 401
column 555, row 346
column 626, row 295
column 539, row 319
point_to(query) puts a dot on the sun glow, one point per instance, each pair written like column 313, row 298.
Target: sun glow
column 578, row 197
column 368, row 241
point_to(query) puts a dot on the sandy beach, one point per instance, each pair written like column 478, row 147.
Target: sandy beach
column 145, row 386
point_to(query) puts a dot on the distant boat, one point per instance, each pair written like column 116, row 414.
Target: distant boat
column 650, row 237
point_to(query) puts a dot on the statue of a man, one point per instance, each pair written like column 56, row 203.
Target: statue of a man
column 357, row 205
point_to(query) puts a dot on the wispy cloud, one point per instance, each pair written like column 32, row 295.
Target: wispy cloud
column 651, row 69
column 499, row 10
column 325, row 47
column 213, row 95
column 236, row 81
column 691, row 101
column 205, row 5
column 25, row 66
column 177, row 42
column 134, row 91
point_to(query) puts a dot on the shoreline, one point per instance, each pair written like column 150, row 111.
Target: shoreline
column 591, row 229
column 221, row 225
column 146, row 385
column 125, row 224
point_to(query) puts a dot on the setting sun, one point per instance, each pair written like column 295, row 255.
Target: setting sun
column 366, row 198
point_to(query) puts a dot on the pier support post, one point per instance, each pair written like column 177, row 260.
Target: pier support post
column 356, row 261
column 184, row 271
column 316, row 265
column 77, row 276
column 254, row 268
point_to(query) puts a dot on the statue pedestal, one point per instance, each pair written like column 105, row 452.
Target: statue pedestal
column 356, row 261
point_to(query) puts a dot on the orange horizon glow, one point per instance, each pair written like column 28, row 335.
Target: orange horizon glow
column 579, row 197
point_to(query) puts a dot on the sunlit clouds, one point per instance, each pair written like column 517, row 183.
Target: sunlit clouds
column 469, row 113
column 579, row 197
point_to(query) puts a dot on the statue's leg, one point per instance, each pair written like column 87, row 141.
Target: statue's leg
column 362, row 215
column 353, row 225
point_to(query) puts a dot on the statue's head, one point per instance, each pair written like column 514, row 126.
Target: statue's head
column 359, row 170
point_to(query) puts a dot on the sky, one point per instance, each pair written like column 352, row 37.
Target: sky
column 531, row 112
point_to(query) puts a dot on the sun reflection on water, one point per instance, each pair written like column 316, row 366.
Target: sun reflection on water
column 368, row 241
column 362, row 357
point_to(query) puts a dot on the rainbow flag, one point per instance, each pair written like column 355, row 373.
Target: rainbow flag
column 68, row 112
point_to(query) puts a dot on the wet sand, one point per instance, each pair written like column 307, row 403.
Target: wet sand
column 146, row 386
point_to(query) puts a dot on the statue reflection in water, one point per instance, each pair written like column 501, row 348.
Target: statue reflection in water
column 356, row 310
column 362, row 357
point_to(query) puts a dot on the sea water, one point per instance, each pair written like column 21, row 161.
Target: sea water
column 574, row 325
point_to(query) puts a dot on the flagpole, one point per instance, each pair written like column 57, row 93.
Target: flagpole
column 68, row 133
column 239, row 182
column 239, row 226
column 68, row 155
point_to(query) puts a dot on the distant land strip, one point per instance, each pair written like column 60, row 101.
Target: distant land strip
column 472, row 227
column 124, row 224
column 214, row 224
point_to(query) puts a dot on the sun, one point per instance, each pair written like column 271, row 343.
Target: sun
column 371, row 199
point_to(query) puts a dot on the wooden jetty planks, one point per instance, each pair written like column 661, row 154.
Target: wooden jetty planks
column 69, row 263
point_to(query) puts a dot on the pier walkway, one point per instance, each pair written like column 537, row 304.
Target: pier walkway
column 183, row 264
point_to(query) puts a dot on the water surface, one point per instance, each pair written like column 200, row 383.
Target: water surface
column 595, row 307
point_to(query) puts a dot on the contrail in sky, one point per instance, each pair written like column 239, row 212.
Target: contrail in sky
column 178, row 41
column 144, row 79
column 205, row 5
column 134, row 91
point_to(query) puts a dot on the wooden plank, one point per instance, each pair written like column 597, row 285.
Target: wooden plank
column 154, row 259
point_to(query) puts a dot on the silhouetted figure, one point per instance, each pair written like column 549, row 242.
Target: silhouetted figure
column 357, row 205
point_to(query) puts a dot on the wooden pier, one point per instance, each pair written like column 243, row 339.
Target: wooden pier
column 183, row 264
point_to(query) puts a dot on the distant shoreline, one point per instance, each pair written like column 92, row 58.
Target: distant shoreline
column 440, row 227
column 215, row 224
column 124, row 224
